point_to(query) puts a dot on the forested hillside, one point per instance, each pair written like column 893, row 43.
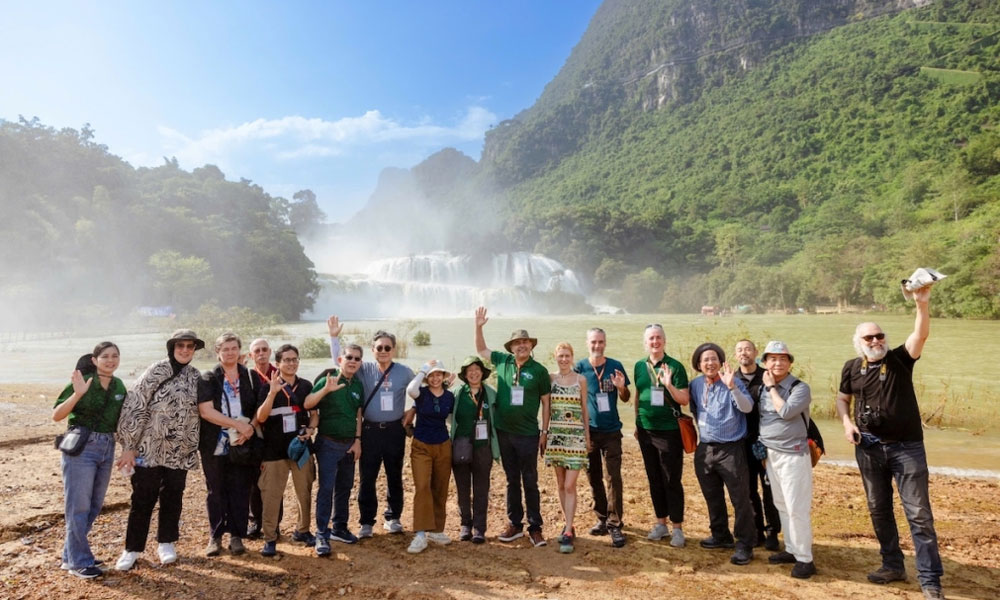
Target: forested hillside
column 87, row 235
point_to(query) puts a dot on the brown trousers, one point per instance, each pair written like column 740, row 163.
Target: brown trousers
column 272, row 483
column 431, row 464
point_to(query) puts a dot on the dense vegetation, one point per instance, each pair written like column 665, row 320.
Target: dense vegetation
column 87, row 234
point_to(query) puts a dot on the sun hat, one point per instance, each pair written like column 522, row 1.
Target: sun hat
column 777, row 347
column 520, row 334
column 184, row 334
column 468, row 362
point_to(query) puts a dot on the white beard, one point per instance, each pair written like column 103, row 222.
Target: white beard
column 874, row 354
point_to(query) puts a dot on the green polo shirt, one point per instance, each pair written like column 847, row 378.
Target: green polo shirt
column 338, row 411
column 91, row 403
column 466, row 415
column 658, row 418
column 534, row 378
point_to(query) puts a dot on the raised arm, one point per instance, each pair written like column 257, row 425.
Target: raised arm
column 922, row 323
column 80, row 388
column 334, row 327
column 481, row 320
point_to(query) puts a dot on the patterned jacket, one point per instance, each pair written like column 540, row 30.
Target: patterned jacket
column 162, row 425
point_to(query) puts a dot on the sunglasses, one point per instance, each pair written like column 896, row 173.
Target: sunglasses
column 351, row 357
column 184, row 345
column 657, row 325
column 382, row 349
column 874, row 336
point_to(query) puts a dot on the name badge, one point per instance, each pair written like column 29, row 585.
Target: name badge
column 385, row 401
column 656, row 396
column 481, row 433
column 517, row 396
column 288, row 423
column 602, row 402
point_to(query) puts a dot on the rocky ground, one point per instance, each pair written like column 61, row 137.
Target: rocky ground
column 31, row 531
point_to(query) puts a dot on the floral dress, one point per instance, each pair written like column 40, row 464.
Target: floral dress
column 567, row 442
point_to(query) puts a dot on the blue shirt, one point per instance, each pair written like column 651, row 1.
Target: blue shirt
column 719, row 410
column 432, row 416
column 602, row 421
column 396, row 381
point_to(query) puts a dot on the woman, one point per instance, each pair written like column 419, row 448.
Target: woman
column 281, row 409
column 227, row 405
column 472, row 424
column 158, row 430
column 86, row 475
column 430, row 454
column 661, row 383
column 569, row 436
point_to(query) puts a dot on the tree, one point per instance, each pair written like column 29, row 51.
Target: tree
column 181, row 281
column 304, row 215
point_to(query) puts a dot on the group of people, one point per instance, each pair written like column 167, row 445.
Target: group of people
column 255, row 425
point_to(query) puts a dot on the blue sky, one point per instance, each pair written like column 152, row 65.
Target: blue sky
column 291, row 95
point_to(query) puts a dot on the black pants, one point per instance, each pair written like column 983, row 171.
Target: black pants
column 519, row 457
column 765, row 516
column 150, row 484
column 721, row 467
column 663, row 457
column 474, row 477
column 228, row 498
column 384, row 445
column 607, row 449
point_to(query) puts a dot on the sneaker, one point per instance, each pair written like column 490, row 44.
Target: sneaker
column 343, row 536
column 803, row 570
column 127, row 560
column 236, row 546
column 781, row 558
column 771, row 541
column 885, row 575
column 657, row 532
column 711, row 543
column 601, row 528
column 537, row 538
column 677, row 538
column 214, row 547
column 742, row 556
column 322, row 546
column 304, row 537
column 393, row 526
column 439, row 537
column 478, row 537
column 269, row 549
column 365, row 532
column 97, row 563
column 566, row 541
column 167, row 553
column 933, row 593
column 617, row 537
column 253, row 530
column 465, row 534
column 87, row 572
column 418, row 545
column 510, row 534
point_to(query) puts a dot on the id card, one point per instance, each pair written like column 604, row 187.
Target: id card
column 656, row 396
column 517, row 396
column 385, row 401
column 602, row 402
column 481, row 433
column 288, row 423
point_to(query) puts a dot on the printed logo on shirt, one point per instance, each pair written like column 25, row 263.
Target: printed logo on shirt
column 356, row 395
column 119, row 397
column 528, row 376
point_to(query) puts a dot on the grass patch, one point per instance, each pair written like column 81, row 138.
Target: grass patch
column 952, row 76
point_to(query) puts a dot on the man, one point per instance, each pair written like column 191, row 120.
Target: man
column 523, row 387
column 718, row 401
column 383, row 438
column 888, row 437
column 606, row 384
column 261, row 372
column 763, row 503
column 784, row 414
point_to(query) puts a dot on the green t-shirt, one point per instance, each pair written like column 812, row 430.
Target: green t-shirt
column 534, row 378
column 658, row 418
column 466, row 414
column 90, row 404
column 338, row 411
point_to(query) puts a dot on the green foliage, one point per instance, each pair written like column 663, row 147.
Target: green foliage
column 314, row 347
column 210, row 321
column 421, row 338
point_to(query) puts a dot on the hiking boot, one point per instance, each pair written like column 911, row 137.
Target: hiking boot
column 236, row 546
column 537, row 539
column 304, row 537
column 771, row 541
column 510, row 534
column 886, row 575
column 712, row 543
column 601, row 528
column 214, row 547
column 803, row 570
column 781, row 558
column 742, row 556
column 617, row 537
column 465, row 534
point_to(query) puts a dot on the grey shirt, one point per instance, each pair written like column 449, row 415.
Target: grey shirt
column 395, row 383
column 785, row 430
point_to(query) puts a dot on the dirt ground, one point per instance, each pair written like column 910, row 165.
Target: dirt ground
column 31, row 535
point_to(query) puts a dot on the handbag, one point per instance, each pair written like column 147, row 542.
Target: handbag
column 250, row 452
column 461, row 451
column 816, row 447
column 73, row 441
column 689, row 435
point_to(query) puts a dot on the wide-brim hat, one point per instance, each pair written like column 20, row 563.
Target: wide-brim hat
column 438, row 368
column 468, row 362
column 777, row 347
column 184, row 334
column 520, row 334
column 696, row 357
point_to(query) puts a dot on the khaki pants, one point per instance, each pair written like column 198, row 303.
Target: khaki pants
column 431, row 464
column 272, row 483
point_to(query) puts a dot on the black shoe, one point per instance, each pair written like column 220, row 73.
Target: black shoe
column 478, row 537
column 711, row 543
column 885, row 575
column 253, row 530
column 803, row 570
column 781, row 558
column 742, row 556
column 304, row 537
column 617, row 537
column 771, row 541
column 343, row 536
column 269, row 549
column 601, row 528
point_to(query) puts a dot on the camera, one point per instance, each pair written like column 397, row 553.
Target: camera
column 870, row 418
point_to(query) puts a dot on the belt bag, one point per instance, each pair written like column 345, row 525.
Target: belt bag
column 73, row 441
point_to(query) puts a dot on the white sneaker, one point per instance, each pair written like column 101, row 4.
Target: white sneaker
column 127, row 560
column 168, row 554
column 657, row 532
column 365, row 531
column 439, row 537
column 418, row 545
column 677, row 538
column 393, row 526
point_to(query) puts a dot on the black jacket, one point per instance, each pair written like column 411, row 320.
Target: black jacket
column 210, row 390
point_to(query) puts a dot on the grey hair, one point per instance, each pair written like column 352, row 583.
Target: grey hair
column 229, row 336
column 348, row 347
column 859, row 345
column 596, row 330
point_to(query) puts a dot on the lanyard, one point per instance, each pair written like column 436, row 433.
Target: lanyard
column 265, row 377
column 651, row 369
column 599, row 374
column 284, row 390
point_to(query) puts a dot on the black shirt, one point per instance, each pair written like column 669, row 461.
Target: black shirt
column 891, row 400
column 754, row 383
column 276, row 439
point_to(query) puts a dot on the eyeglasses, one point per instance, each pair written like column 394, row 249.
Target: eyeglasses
column 184, row 345
column 352, row 357
column 263, row 349
column 874, row 336
column 290, row 361
column 382, row 349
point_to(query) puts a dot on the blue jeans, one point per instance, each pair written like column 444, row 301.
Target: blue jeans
column 335, row 478
column 85, row 481
column 906, row 462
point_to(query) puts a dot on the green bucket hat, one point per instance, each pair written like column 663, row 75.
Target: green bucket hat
column 468, row 362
